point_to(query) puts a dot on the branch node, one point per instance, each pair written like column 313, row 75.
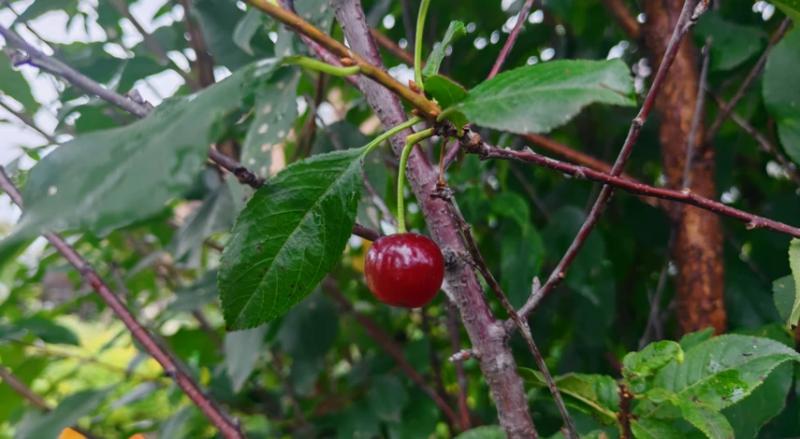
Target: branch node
column 463, row 355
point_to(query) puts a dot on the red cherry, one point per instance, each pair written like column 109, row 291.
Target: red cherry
column 405, row 269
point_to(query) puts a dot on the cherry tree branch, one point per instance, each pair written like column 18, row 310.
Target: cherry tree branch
column 227, row 427
column 692, row 9
column 684, row 196
column 27, row 120
column 204, row 64
column 512, row 38
column 488, row 336
column 623, row 15
column 725, row 111
column 22, row 389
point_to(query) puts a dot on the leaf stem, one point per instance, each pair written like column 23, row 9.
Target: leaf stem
column 401, row 175
column 314, row 64
column 389, row 133
column 418, row 37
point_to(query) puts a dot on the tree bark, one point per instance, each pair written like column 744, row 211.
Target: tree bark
column 488, row 336
column 698, row 244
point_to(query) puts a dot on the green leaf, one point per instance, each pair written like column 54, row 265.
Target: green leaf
column 454, row 31
column 483, row 432
column 647, row 428
column 109, row 179
column 447, row 93
column 692, row 339
column 38, row 8
column 288, row 236
column 790, row 8
column 711, row 422
column 215, row 214
column 242, row 349
column 767, row 401
column 310, row 329
column 598, row 393
column 723, row 370
column 782, row 66
column 218, row 19
column 246, row 28
column 794, row 264
column 784, row 294
column 387, row 397
column 732, row 43
column 538, row 98
column 36, row 425
column 275, row 112
column 638, row 366
column 13, row 84
column 49, row 331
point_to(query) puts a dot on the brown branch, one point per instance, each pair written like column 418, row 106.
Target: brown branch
column 692, row 9
column 725, row 111
column 697, row 117
column 488, row 337
column 762, row 141
column 624, row 415
column 23, row 390
column 166, row 359
column 461, row 377
column 203, row 64
column 428, row 108
column 391, row 348
column 27, row 120
column 683, row 196
column 151, row 42
column 392, row 47
column 512, row 38
column 525, row 331
column 625, row 19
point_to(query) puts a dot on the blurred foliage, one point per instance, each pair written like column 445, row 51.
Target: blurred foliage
column 315, row 371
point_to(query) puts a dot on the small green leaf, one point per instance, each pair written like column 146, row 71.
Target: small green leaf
column 483, row 432
column 794, row 264
column 275, row 111
column 598, row 393
column 538, row 98
column 13, row 84
column 242, row 349
column 215, row 214
column 447, row 93
column 723, row 370
column 638, row 366
column 648, row 428
column 784, row 295
column 288, row 237
column 36, row 425
column 692, row 339
column 454, row 31
column 711, row 422
column 39, row 8
column 782, row 66
column 310, row 329
column 49, row 331
column 246, row 28
column 789, row 7
column 387, row 397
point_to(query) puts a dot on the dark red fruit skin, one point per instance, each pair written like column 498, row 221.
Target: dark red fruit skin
column 405, row 269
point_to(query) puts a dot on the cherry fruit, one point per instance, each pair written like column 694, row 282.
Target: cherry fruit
column 405, row 269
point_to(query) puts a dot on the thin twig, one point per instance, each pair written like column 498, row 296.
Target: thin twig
column 626, row 20
column 691, row 11
column 522, row 325
column 512, row 38
column 461, row 377
column 749, row 79
column 683, row 196
column 204, row 64
column 27, row 120
column 763, row 142
column 391, row 348
column 697, row 117
column 392, row 47
column 166, row 359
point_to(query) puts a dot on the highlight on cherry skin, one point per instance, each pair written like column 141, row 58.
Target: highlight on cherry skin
column 404, row 269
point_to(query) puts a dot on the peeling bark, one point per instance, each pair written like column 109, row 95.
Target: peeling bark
column 697, row 251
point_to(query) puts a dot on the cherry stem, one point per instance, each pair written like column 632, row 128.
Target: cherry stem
column 314, row 64
column 369, row 147
column 418, row 37
column 401, row 175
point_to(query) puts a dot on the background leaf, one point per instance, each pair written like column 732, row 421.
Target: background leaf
column 455, row 30
column 242, row 349
column 781, row 101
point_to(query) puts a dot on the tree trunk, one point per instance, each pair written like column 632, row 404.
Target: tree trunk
column 698, row 243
